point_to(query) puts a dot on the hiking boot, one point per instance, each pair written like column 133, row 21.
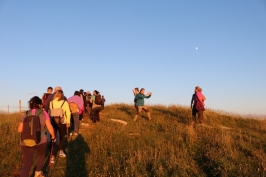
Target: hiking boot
column 52, row 159
column 62, row 154
column 38, row 174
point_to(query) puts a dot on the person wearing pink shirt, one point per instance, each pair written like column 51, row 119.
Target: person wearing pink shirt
column 200, row 98
column 28, row 151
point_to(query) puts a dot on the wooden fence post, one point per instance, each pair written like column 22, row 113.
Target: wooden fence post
column 19, row 106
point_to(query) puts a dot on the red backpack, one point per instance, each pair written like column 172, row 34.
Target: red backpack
column 44, row 98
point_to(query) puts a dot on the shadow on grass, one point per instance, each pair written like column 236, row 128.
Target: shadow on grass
column 179, row 116
column 76, row 159
column 128, row 110
column 76, row 163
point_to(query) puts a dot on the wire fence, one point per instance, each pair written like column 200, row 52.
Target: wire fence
column 12, row 108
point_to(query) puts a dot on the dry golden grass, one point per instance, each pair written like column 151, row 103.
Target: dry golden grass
column 168, row 145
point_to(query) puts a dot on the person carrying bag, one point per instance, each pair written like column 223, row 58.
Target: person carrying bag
column 60, row 114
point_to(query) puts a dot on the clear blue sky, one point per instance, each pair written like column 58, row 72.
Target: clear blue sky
column 114, row 46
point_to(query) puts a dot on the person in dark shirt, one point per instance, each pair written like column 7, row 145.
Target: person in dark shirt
column 193, row 104
column 89, row 104
column 135, row 92
column 51, row 97
column 103, row 101
column 46, row 95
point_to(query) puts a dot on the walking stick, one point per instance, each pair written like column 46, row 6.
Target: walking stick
column 50, row 157
column 51, row 153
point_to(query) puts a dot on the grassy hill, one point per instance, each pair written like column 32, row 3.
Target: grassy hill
column 168, row 145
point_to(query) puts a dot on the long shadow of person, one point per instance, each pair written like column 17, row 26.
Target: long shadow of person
column 76, row 162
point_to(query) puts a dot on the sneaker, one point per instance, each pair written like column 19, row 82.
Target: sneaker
column 38, row 174
column 62, row 154
column 52, row 159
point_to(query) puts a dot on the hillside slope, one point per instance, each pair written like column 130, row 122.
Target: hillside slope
column 168, row 145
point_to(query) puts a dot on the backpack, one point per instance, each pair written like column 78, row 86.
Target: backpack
column 44, row 98
column 31, row 132
column 57, row 114
column 73, row 107
column 98, row 99
column 88, row 97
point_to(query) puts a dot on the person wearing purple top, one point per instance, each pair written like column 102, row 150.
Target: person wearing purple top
column 75, row 116
column 83, row 97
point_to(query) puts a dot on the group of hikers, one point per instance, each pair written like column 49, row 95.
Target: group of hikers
column 197, row 103
column 55, row 113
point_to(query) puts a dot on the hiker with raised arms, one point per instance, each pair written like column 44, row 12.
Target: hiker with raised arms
column 60, row 118
column 140, row 103
column 34, row 120
column 76, row 105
